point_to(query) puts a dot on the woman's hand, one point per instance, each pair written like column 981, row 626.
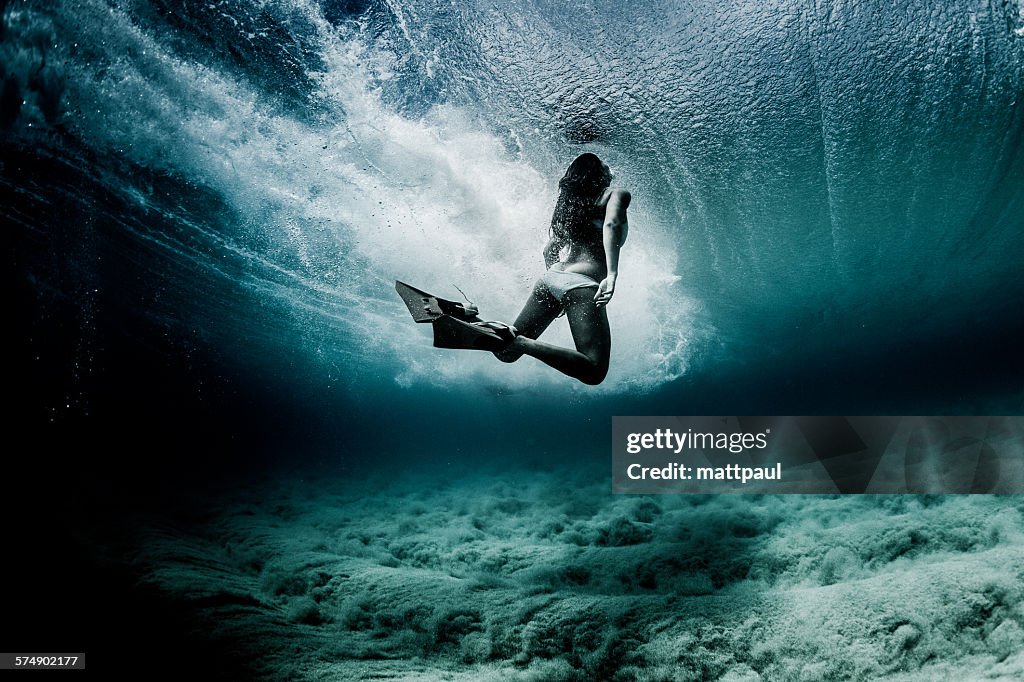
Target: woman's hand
column 605, row 290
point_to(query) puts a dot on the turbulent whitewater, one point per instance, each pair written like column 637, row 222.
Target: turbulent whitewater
column 809, row 180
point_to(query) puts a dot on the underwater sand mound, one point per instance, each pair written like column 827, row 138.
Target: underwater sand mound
column 540, row 576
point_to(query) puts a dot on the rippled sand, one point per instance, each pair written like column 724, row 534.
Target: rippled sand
column 547, row 576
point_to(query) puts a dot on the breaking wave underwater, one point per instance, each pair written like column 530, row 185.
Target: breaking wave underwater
column 806, row 180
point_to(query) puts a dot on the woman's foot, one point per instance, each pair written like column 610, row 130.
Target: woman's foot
column 508, row 334
column 510, row 354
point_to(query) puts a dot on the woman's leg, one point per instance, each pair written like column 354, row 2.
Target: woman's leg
column 589, row 325
column 540, row 309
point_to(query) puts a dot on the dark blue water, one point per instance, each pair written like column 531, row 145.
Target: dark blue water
column 205, row 208
column 814, row 189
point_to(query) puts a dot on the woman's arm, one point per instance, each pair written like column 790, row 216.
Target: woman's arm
column 614, row 225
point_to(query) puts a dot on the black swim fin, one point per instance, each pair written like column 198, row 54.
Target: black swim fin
column 452, row 333
column 426, row 307
column 456, row 325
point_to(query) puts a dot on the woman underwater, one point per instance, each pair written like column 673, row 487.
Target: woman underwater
column 582, row 257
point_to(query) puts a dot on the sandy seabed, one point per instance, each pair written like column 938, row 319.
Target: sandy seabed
column 528, row 575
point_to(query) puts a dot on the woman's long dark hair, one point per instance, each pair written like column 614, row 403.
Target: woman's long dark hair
column 578, row 190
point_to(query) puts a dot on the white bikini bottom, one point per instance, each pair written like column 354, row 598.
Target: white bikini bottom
column 559, row 282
